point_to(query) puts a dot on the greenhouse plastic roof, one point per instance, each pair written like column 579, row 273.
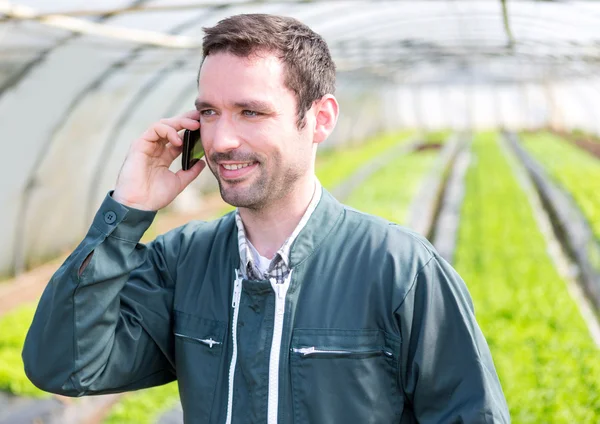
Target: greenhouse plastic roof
column 411, row 41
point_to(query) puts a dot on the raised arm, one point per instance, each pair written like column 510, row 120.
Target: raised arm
column 103, row 323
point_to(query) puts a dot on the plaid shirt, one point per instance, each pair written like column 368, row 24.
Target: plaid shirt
column 279, row 267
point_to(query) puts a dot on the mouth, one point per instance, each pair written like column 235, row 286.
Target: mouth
column 236, row 170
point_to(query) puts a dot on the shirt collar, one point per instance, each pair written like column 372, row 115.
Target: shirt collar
column 281, row 259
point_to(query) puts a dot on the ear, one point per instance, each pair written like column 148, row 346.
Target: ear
column 326, row 114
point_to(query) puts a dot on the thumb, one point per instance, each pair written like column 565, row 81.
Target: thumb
column 186, row 177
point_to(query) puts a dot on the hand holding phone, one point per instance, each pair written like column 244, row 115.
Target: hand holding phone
column 146, row 180
column 192, row 149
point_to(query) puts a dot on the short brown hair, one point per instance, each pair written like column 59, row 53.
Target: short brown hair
column 309, row 69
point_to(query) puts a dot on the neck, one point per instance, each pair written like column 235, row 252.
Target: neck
column 268, row 228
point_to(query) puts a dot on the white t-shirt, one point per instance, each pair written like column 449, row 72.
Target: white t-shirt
column 260, row 261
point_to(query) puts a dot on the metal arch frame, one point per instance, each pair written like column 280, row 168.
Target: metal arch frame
column 381, row 52
column 31, row 179
column 351, row 17
column 200, row 5
column 378, row 70
column 392, row 21
column 379, row 26
column 391, row 53
column 18, row 256
column 13, row 80
column 184, row 6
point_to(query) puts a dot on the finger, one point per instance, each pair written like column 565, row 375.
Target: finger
column 173, row 152
column 181, row 123
column 163, row 133
column 186, row 177
column 192, row 114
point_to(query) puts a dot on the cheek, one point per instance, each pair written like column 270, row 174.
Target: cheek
column 262, row 136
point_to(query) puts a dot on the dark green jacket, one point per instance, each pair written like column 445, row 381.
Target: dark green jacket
column 376, row 327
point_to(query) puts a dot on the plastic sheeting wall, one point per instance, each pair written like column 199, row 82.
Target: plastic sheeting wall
column 67, row 127
column 69, row 111
column 48, row 204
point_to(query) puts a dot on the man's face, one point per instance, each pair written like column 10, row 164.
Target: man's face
column 249, row 132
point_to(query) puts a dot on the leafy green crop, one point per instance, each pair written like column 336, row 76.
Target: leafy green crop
column 436, row 137
column 335, row 165
column 579, row 133
column 13, row 328
column 389, row 192
column 138, row 407
column 572, row 168
column 145, row 406
column 547, row 362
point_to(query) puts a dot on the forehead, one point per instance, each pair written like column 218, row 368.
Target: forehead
column 226, row 77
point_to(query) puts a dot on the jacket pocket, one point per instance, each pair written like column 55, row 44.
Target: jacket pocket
column 345, row 376
column 199, row 354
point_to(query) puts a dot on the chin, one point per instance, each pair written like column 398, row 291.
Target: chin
column 241, row 198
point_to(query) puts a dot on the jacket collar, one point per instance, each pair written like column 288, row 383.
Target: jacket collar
column 321, row 222
column 318, row 227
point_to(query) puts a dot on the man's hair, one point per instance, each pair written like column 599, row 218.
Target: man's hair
column 309, row 69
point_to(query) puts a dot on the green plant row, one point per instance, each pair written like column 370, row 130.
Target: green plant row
column 574, row 169
column 13, row 328
column 144, row 406
column 133, row 408
column 579, row 133
column 390, row 191
column 335, row 165
column 547, row 362
column 436, row 137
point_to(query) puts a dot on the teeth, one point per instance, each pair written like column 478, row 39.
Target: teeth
column 236, row 166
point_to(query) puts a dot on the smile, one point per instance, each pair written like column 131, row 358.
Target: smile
column 235, row 166
column 236, row 171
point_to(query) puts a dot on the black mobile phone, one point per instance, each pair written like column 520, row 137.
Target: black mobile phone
column 192, row 149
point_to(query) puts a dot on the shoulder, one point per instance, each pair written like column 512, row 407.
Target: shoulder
column 394, row 254
column 388, row 237
column 195, row 233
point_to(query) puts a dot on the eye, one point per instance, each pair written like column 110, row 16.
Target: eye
column 251, row 113
column 207, row 112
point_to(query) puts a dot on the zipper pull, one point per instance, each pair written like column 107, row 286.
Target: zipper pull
column 277, row 288
column 304, row 350
column 237, row 290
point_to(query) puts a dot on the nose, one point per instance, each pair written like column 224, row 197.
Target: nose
column 225, row 137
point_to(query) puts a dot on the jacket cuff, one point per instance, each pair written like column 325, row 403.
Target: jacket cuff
column 117, row 220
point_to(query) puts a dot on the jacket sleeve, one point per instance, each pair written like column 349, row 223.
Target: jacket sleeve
column 106, row 329
column 446, row 369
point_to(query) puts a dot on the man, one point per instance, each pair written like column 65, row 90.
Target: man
column 294, row 308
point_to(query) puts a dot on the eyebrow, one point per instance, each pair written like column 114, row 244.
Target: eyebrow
column 249, row 104
column 202, row 105
column 254, row 105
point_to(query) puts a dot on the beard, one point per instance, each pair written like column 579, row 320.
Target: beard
column 265, row 185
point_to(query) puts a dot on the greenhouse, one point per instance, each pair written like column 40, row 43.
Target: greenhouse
column 473, row 123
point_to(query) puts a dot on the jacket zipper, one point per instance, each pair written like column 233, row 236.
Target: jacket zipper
column 273, row 400
column 237, row 293
column 306, row 351
column 209, row 342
